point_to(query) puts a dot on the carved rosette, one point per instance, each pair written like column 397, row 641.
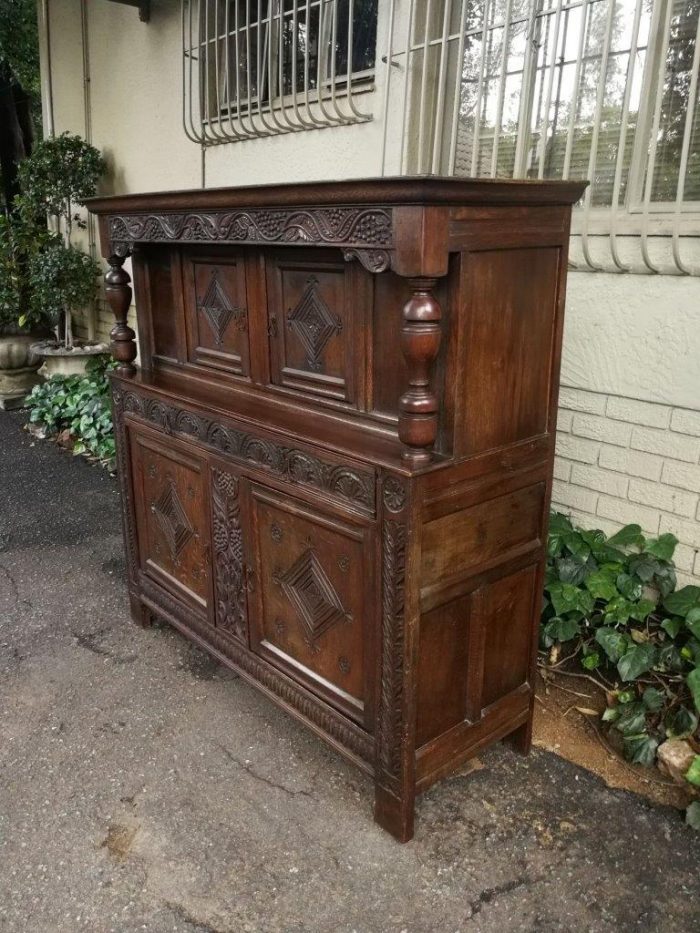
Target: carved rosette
column 231, row 608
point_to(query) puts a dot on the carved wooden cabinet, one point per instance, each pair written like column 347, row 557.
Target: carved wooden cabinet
column 336, row 454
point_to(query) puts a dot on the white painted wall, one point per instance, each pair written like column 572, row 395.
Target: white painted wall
column 630, row 429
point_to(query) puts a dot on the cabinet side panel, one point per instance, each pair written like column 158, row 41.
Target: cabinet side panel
column 510, row 307
column 164, row 307
column 442, row 669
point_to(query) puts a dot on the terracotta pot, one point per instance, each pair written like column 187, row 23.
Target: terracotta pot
column 18, row 369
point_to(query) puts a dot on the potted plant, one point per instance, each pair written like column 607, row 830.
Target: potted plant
column 55, row 180
column 19, row 325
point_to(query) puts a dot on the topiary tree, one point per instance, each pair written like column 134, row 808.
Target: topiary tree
column 59, row 176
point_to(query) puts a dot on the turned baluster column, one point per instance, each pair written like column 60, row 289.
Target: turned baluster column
column 118, row 293
column 420, row 342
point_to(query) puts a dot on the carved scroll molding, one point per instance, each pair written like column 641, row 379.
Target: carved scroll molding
column 393, row 641
column 390, row 723
column 275, row 683
column 231, row 606
column 359, row 228
column 355, row 486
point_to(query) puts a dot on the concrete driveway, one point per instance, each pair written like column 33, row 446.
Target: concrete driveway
column 143, row 787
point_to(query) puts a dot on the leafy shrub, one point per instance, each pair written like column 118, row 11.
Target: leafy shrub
column 60, row 277
column 613, row 601
column 80, row 405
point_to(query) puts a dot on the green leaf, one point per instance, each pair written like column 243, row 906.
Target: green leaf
column 611, row 714
column 693, row 681
column 693, row 773
column 559, row 525
column 630, row 535
column 626, row 696
column 641, row 609
column 637, row 660
column 682, row 601
column 670, row 658
column 571, row 570
column 692, row 620
column 662, row 547
column 568, row 598
column 640, row 749
column 681, row 724
column 591, row 660
column 574, row 543
column 692, row 814
column 560, row 630
column 653, row 699
column 629, row 587
column 632, row 719
column 601, row 584
column 613, row 643
column 672, row 626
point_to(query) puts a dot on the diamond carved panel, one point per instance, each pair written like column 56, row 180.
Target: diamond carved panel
column 218, row 309
column 172, row 519
column 312, row 594
column 313, row 323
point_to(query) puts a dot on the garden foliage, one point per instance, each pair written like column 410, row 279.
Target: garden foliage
column 79, row 405
column 613, row 602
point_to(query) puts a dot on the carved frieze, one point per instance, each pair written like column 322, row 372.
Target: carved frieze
column 297, row 466
column 366, row 229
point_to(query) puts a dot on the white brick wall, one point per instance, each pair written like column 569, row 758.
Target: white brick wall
column 620, row 460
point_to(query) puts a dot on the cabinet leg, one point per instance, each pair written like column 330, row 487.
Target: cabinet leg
column 394, row 814
column 139, row 613
column 520, row 740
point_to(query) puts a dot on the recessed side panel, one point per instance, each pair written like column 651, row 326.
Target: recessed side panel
column 510, row 304
column 217, row 311
column 502, row 614
column 442, row 669
column 165, row 308
column 459, row 544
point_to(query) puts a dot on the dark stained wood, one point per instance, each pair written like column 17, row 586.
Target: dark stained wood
column 336, row 456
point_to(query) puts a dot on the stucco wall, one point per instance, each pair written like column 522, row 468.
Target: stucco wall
column 629, row 444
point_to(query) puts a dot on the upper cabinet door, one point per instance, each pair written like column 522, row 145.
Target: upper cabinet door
column 317, row 305
column 217, row 311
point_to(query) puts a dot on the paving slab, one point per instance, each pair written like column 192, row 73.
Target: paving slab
column 145, row 787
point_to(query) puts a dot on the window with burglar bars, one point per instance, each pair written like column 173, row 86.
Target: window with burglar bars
column 600, row 89
column 257, row 68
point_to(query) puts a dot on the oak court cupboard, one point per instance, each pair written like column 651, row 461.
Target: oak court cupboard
column 336, row 454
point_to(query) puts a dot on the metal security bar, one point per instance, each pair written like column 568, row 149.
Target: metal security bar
column 254, row 68
column 599, row 89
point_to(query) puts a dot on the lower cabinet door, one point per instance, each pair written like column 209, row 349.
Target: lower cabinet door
column 313, row 599
column 172, row 517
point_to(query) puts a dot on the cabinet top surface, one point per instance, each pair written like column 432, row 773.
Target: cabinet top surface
column 417, row 189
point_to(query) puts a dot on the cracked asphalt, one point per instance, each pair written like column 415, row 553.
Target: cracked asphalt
column 144, row 787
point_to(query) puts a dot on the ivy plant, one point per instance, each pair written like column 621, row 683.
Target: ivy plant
column 79, row 405
column 612, row 603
